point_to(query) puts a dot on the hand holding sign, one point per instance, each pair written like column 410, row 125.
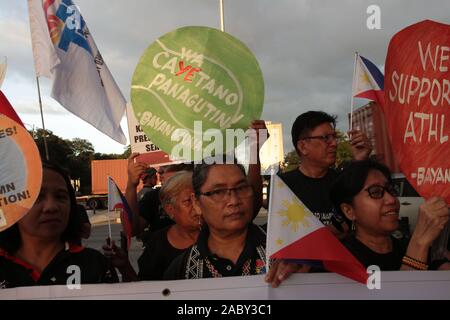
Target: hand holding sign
column 417, row 94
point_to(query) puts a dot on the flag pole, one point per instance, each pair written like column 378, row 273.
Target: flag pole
column 109, row 214
column 269, row 212
column 44, row 134
column 3, row 72
column 109, row 228
column 222, row 20
column 353, row 83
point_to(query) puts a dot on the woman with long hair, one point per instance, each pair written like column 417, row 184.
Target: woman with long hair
column 41, row 248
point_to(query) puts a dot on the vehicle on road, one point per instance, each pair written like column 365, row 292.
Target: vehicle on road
column 410, row 200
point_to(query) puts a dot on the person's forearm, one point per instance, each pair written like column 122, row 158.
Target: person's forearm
column 254, row 178
column 416, row 250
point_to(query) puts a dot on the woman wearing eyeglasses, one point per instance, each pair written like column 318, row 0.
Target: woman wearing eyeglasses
column 365, row 194
column 229, row 244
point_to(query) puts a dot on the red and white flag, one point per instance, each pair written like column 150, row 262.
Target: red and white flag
column 294, row 233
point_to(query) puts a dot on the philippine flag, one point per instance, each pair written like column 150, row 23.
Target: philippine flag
column 294, row 233
column 117, row 201
column 368, row 81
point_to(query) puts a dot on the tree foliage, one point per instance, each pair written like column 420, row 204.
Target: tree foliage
column 74, row 155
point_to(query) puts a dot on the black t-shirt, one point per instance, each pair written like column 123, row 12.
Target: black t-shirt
column 143, row 192
column 157, row 256
column 391, row 261
column 199, row 262
column 150, row 209
column 93, row 269
column 314, row 193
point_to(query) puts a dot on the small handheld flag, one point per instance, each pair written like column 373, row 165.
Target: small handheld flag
column 368, row 81
column 294, row 233
column 116, row 200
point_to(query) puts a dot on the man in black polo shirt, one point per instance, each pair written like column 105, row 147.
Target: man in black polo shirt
column 315, row 140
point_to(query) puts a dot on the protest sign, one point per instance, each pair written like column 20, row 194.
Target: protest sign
column 20, row 172
column 426, row 285
column 148, row 151
column 196, row 74
column 417, row 111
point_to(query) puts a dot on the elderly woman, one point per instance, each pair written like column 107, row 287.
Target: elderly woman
column 365, row 195
column 40, row 248
column 164, row 245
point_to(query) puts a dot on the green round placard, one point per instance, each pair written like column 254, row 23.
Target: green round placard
column 192, row 80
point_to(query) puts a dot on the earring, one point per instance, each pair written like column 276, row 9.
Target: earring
column 353, row 225
column 199, row 223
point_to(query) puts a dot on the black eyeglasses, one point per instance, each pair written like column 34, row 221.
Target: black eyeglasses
column 327, row 138
column 377, row 192
column 243, row 191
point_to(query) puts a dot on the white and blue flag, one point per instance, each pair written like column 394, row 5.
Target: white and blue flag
column 65, row 51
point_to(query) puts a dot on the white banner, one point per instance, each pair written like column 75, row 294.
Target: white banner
column 394, row 285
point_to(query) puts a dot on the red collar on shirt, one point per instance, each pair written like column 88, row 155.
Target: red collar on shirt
column 35, row 275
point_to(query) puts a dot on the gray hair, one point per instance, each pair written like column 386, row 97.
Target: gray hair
column 172, row 187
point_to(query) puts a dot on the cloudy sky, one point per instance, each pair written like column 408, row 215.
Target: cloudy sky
column 305, row 49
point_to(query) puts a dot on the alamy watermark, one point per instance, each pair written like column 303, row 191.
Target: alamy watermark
column 74, row 280
column 373, row 21
column 212, row 144
column 374, row 279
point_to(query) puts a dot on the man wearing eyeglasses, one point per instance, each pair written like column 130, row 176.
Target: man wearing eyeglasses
column 315, row 140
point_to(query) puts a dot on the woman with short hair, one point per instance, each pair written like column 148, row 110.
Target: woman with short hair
column 164, row 245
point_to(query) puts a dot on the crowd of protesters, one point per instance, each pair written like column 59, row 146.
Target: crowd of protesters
column 199, row 222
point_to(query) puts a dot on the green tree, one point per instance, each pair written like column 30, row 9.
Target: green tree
column 59, row 150
column 291, row 161
column 75, row 156
column 80, row 163
column 127, row 152
column 81, row 146
column 344, row 149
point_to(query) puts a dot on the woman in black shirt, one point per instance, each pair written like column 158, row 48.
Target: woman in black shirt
column 365, row 194
column 41, row 248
